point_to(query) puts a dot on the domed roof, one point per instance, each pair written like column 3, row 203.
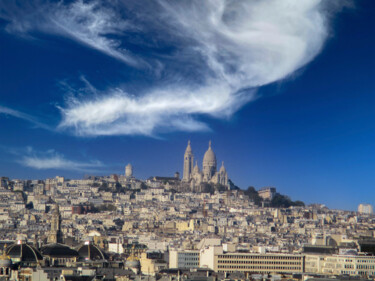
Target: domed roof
column 91, row 252
column 132, row 263
column 222, row 169
column 209, row 156
column 129, row 166
column 24, row 252
column 5, row 260
column 58, row 250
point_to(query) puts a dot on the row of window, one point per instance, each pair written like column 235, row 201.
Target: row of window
column 296, row 268
column 260, row 262
column 268, row 257
column 347, row 272
column 188, row 263
column 366, row 261
column 365, row 267
column 191, row 259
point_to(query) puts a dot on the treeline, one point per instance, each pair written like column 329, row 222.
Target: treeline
column 278, row 201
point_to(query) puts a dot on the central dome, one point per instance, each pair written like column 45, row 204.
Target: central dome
column 209, row 156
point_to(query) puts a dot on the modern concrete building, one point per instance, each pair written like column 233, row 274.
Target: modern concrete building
column 219, row 261
column 184, row 259
column 340, row 264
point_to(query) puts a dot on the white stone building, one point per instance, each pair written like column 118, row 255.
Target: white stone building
column 209, row 174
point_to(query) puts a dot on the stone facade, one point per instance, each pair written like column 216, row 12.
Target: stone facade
column 55, row 235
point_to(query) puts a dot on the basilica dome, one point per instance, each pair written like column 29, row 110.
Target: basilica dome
column 209, row 157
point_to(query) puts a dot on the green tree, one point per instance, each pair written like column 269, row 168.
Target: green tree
column 253, row 195
column 283, row 201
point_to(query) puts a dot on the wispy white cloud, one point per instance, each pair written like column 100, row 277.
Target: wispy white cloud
column 242, row 45
column 170, row 109
column 91, row 23
column 24, row 116
column 53, row 160
column 232, row 47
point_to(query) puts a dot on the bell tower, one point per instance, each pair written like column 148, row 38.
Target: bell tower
column 55, row 235
column 188, row 163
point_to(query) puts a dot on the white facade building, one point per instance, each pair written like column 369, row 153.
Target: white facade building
column 365, row 209
column 209, row 173
column 184, row 259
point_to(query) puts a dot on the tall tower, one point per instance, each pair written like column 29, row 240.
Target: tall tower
column 209, row 164
column 55, row 235
column 129, row 171
column 188, row 163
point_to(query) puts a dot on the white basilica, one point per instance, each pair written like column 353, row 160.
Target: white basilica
column 193, row 175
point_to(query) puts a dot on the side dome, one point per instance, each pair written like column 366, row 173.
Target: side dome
column 209, row 156
column 58, row 251
column 222, row 169
column 132, row 262
column 5, row 260
column 91, row 252
column 23, row 253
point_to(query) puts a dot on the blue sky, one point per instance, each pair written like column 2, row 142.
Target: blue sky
column 284, row 89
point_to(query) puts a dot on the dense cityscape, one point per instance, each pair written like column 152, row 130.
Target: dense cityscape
column 187, row 140
column 200, row 227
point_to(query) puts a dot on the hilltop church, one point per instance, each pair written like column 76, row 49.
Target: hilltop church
column 195, row 177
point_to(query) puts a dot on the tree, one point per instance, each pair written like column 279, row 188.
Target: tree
column 107, row 207
column 299, row 203
column 29, row 205
column 104, row 187
column 253, row 195
column 233, row 186
column 283, row 201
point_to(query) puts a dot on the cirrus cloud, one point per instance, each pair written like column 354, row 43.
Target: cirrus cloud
column 222, row 51
column 15, row 113
column 54, row 160
column 87, row 22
